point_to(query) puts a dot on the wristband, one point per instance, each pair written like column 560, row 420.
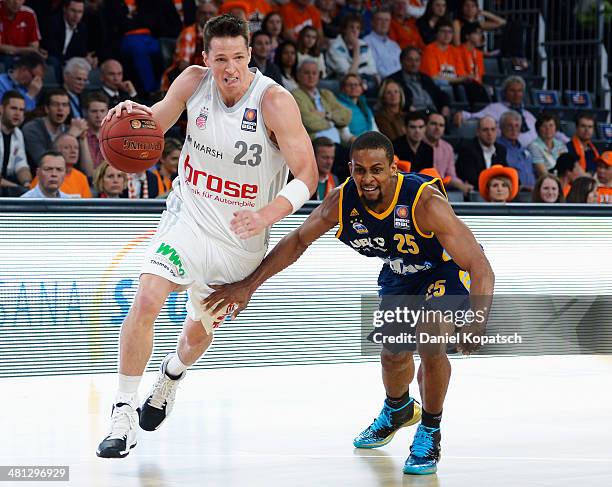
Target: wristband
column 297, row 193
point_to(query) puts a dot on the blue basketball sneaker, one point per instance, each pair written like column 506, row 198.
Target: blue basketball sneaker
column 381, row 431
column 424, row 452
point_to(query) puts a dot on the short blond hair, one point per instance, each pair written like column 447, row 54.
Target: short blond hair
column 98, row 177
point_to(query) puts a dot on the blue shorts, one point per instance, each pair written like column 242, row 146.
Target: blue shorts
column 444, row 288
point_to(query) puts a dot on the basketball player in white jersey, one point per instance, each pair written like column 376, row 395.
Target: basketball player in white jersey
column 244, row 132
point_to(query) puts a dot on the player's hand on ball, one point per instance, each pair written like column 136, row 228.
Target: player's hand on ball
column 247, row 224
column 130, row 107
column 237, row 294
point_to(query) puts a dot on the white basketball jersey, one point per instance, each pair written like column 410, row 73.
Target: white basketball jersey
column 228, row 162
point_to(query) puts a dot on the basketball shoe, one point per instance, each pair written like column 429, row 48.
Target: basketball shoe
column 158, row 405
column 122, row 436
column 424, row 452
column 381, row 431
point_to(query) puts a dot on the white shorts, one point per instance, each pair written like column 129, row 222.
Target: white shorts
column 181, row 253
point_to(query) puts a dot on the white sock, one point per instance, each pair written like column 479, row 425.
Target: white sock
column 175, row 367
column 127, row 388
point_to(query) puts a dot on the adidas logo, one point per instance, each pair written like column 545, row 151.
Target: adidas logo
column 354, row 212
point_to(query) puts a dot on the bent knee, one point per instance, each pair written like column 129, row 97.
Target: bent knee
column 395, row 360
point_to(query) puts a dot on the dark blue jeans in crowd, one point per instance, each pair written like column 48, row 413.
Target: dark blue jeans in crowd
column 141, row 49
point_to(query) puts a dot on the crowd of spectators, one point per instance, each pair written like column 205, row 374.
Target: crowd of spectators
column 411, row 69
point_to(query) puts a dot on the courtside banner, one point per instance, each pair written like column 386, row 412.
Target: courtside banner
column 67, row 280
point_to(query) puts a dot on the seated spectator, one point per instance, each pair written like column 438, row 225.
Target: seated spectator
column 410, row 147
column 322, row 114
column 545, row 150
column 471, row 16
column 434, row 11
column 41, row 132
column 286, row 59
column 19, row 33
column 26, row 77
column 568, row 169
column 330, row 19
column 142, row 185
column 471, row 55
column 359, row 8
column 15, row 170
column 481, row 152
column 76, row 78
column 581, row 143
column 273, row 26
column 498, row 184
column 517, row 156
column 260, row 51
column 420, row 91
column 444, row 64
column 136, row 26
column 548, row 189
column 65, row 35
column 584, row 190
column 190, row 44
column 167, row 169
column 186, row 10
column 604, row 177
column 257, row 11
column 403, row 29
column 351, row 96
column 109, row 182
column 513, row 93
column 116, row 88
column 96, row 108
column 347, row 53
column 390, row 116
column 443, row 153
column 297, row 14
column 386, row 52
column 325, row 152
column 50, row 175
column 309, row 47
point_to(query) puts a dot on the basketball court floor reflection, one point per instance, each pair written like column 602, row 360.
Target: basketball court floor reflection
column 512, row 421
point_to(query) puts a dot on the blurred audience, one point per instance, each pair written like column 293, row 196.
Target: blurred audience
column 75, row 181
column 309, row 47
column 546, row 149
column 260, row 52
column 359, row 8
column 142, row 185
column 330, row 19
column 351, row 96
column 434, row 11
column 95, row 106
column 403, row 29
column 76, row 78
column 568, row 169
column 15, row 170
column 481, row 153
column 420, row 91
column 273, row 26
column 498, row 184
column 470, row 16
column 581, row 143
column 584, row 190
column 26, row 77
column 50, row 174
column 116, row 88
column 109, row 182
column 297, row 14
column 390, row 116
column 325, row 152
column 386, row 52
column 167, row 169
column 286, row 59
column 548, row 189
column 19, row 32
column 411, row 147
column 604, row 177
column 517, row 155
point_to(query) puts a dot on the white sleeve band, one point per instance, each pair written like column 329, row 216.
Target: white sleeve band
column 297, row 193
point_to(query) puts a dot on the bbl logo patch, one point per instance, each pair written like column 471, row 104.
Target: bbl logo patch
column 360, row 228
column 400, row 217
column 136, row 124
column 249, row 120
column 202, row 118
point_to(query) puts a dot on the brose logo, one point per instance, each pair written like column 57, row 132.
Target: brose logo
column 216, row 184
column 172, row 256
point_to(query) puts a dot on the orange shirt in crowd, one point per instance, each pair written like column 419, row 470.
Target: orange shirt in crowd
column 473, row 61
column 437, row 63
column 406, row 33
column 74, row 183
column 296, row 18
column 604, row 194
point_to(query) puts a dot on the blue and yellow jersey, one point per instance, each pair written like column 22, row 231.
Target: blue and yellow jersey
column 393, row 235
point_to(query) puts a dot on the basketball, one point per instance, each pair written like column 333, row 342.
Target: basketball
column 132, row 143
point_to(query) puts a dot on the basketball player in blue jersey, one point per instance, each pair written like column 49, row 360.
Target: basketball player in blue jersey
column 406, row 220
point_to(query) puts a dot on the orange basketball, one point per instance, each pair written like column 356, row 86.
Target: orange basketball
column 132, row 143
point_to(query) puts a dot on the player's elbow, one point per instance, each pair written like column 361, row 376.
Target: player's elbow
column 481, row 270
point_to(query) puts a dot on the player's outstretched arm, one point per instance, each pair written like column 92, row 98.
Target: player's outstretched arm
column 282, row 117
column 166, row 111
column 434, row 214
column 285, row 253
